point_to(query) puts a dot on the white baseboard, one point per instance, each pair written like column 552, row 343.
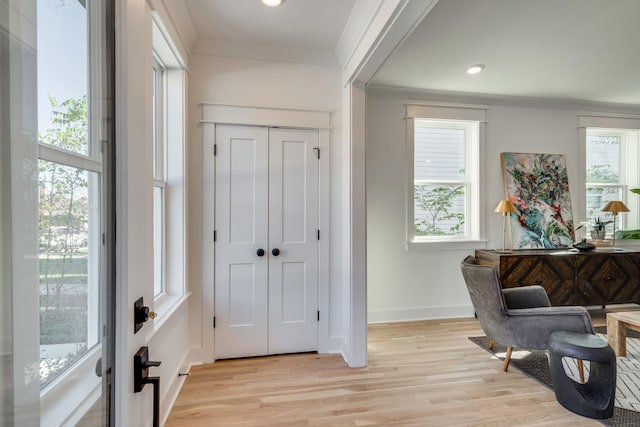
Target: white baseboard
column 199, row 356
column 419, row 313
column 337, row 345
column 174, row 388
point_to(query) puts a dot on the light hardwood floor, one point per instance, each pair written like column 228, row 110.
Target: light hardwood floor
column 419, row 374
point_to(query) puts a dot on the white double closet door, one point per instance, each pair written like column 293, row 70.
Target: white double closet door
column 266, row 251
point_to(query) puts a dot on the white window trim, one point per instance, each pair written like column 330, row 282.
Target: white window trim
column 173, row 179
column 476, row 212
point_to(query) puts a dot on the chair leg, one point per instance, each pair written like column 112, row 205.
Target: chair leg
column 491, row 344
column 581, row 370
column 507, row 359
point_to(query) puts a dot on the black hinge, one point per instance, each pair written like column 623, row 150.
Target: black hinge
column 215, row 149
column 317, row 150
column 215, row 235
column 318, row 234
column 214, row 322
column 318, row 315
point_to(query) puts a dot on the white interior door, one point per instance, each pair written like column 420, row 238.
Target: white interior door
column 241, row 275
column 293, row 231
column 266, row 248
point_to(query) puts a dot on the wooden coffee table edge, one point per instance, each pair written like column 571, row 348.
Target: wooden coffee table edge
column 617, row 324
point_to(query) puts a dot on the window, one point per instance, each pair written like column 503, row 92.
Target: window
column 69, row 197
column 444, row 148
column 611, row 171
column 159, row 167
column 169, row 155
column 441, row 187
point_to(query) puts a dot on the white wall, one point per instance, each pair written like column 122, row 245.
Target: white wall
column 264, row 83
column 427, row 284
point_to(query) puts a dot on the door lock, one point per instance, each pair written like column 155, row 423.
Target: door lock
column 141, row 314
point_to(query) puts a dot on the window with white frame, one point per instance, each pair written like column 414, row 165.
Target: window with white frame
column 444, row 151
column 611, row 170
column 159, row 149
column 169, row 155
column 70, row 223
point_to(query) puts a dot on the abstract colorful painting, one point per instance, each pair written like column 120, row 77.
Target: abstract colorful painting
column 538, row 186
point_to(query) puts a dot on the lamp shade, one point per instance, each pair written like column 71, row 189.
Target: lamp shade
column 505, row 206
column 615, row 206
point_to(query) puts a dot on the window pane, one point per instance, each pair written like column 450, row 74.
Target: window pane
column 439, row 210
column 62, row 74
column 158, row 114
column 603, row 158
column 597, row 198
column 439, row 154
column 69, row 321
column 154, row 116
column 158, row 240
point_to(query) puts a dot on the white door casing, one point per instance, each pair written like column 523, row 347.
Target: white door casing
column 266, row 200
column 219, row 114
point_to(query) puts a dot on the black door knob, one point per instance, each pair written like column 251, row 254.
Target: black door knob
column 260, row 252
column 275, row 252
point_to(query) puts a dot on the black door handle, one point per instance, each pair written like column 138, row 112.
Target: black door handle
column 141, row 365
column 275, row 252
column 260, row 252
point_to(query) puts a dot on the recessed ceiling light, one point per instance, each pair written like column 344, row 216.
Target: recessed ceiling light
column 475, row 69
column 273, row 3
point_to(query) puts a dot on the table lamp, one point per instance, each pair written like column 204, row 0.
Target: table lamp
column 614, row 207
column 505, row 207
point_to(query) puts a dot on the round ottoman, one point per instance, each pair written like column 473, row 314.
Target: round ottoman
column 594, row 398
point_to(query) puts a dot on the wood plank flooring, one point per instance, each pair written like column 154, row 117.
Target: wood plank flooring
column 423, row 373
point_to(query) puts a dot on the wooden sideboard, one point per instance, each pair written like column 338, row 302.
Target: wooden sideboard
column 570, row 278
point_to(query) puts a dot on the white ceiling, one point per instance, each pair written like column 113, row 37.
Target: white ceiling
column 561, row 49
column 311, row 24
column 586, row 50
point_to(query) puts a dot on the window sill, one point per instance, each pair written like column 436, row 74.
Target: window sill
column 444, row 245
column 67, row 399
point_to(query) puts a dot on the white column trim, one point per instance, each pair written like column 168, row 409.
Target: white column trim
column 358, row 229
column 390, row 24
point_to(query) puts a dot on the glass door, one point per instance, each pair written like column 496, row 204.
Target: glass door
column 56, row 212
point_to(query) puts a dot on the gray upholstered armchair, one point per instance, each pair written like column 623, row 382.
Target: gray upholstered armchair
column 518, row 317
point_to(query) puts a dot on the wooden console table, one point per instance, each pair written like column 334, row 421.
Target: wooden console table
column 570, row 278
